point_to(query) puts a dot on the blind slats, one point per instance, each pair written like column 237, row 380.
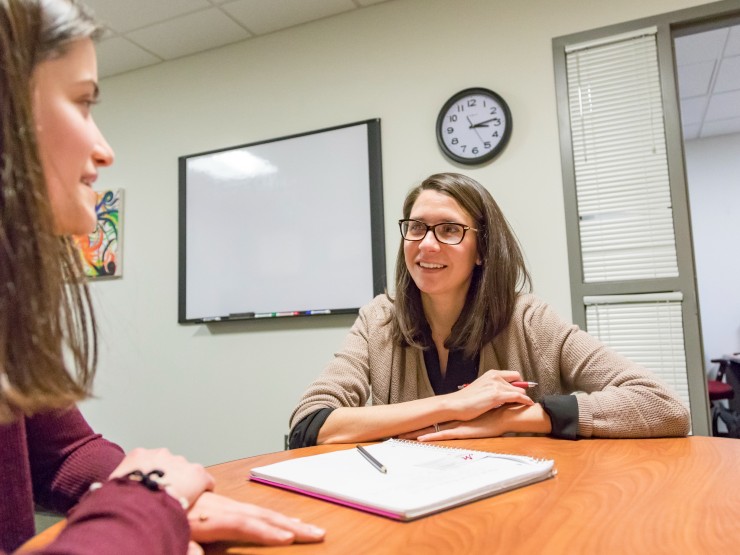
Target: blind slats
column 621, row 169
column 649, row 333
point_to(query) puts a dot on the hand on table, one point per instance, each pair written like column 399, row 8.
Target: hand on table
column 488, row 424
column 214, row 517
column 494, row 423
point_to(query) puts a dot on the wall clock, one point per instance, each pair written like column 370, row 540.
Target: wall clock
column 474, row 126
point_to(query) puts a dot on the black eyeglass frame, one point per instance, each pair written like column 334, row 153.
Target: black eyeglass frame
column 464, row 227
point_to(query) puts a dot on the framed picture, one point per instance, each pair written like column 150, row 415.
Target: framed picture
column 101, row 250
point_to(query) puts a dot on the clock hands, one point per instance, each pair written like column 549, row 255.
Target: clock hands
column 483, row 123
column 473, row 127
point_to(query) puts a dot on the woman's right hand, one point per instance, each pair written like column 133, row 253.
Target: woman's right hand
column 489, row 391
column 183, row 478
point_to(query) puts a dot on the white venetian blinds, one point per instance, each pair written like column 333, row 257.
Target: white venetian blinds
column 647, row 329
column 623, row 201
column 619, row 151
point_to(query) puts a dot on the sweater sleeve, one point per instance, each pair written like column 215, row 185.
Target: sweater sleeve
column 66, row 457
column 616, row 397
column 123, row 517
column 345, row 382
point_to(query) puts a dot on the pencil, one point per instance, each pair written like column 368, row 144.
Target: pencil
column 372, row 460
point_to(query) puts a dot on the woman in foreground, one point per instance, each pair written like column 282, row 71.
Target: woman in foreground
column 145, row 502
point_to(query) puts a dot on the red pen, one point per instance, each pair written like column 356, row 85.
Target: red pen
column 523, row 385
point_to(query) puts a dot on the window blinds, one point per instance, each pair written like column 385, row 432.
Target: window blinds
column 647, row 329
column 621, row 169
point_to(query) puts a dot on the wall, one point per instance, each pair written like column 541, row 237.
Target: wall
column 713, row 167
column 220, row 392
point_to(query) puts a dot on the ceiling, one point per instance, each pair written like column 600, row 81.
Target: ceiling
column 708, row 67
column 148, row 32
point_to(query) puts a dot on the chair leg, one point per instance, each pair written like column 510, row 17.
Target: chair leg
column 715, row 420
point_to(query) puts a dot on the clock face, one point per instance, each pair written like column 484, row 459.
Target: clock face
column 474, row 126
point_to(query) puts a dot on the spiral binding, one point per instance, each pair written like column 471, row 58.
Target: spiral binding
column 518, row 458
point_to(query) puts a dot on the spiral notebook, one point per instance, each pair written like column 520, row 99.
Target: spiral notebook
column 421, row 478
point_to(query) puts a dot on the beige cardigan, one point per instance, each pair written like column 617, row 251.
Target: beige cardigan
column 616, row 397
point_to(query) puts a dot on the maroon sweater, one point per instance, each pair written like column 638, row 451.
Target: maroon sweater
column 50, row 460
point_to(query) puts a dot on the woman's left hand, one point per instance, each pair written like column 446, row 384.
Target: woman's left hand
column 214, row 517
column 494, row 423
column 488, row 424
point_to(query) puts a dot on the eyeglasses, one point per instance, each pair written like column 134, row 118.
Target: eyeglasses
column 448, row 233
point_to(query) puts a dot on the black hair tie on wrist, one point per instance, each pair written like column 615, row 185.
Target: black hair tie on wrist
column 147, row 480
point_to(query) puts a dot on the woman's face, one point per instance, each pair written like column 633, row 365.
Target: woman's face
column 71, row 146
column 440, row 270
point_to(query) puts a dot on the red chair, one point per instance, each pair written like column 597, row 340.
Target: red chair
column 718, row 390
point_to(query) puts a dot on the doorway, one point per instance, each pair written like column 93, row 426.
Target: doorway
column 707, row 61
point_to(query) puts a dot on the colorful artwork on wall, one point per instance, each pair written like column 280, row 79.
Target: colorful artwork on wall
column 101, row 250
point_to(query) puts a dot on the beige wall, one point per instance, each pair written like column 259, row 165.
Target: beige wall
column 223, row 392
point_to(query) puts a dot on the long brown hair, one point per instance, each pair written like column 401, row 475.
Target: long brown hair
column 46, row 315
column 494, row 285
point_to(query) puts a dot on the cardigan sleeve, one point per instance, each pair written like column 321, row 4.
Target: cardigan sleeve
column 616, row 397
column 66, row 456
column 345, row 382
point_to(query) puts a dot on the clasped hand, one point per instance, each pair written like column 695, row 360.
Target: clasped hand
column 489, row 391
column 474, row 408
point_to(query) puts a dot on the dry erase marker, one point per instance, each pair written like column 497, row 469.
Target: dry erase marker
column 372, row 460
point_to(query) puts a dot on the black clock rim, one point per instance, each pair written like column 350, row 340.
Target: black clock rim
column 488, row 155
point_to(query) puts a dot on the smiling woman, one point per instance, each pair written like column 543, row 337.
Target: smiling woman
column 442, row 360
column 70, row 143
column 149, row 500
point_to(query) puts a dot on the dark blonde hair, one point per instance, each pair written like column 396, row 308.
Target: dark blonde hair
column 494, row 286
column 45, row 310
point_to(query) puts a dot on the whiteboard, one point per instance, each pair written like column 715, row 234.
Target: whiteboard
column 284, row 227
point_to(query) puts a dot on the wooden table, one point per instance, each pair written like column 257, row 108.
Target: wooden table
column 610, row 496
column 645, row 496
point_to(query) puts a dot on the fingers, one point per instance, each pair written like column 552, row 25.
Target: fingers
column 218, row 518
column 448, row 430
column 194, row 549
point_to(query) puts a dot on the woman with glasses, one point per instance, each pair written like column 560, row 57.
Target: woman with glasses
column 463, row 350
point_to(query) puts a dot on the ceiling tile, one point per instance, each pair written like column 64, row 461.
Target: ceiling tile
column 724, row 105
column 264, row 17
column 694, row 79
column 692, row 110
column 188, row 34
column 369, row 2
column 733, row 42
column 728, row 77
column 700, row 47
column 116, row 55
column 691, row 132
column 126, row 15
column 721, row 127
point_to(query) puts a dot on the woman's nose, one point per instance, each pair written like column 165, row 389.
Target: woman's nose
column 429, row 242
column 103, row 154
